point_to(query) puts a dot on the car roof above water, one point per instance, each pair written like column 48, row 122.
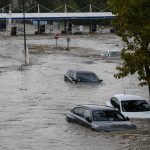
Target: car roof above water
column 111, row 53
column 124, row 97
column 97, row 107
column 81, row 71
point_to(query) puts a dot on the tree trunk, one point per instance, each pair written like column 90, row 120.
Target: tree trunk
column 147, row 70
column 149, row 92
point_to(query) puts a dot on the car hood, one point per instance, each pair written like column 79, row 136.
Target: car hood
column 145, row 114
column 112, row 125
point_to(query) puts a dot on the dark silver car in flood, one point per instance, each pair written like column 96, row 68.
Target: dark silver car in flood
column 76, row 76
column 99, row 118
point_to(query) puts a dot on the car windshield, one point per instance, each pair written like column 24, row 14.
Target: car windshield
column 114, row 54
column 111, row 53
column 87, row 77
column 107, row 115
column 135, row 106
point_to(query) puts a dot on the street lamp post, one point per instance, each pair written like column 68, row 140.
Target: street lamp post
column 25, row 45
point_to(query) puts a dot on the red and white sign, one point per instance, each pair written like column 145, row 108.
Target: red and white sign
column 57, row 35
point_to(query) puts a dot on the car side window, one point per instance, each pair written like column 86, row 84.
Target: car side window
column 71, row 74
column 79, row 111
column 74, row 75
column 115, row 103
column 87, row 114
column 68, row 72
column 99, row 115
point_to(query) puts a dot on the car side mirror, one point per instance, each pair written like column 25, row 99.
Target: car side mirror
column 127, row 118
column 100, row 80
column 78, row 80
column 75, row 80
column 88, row 119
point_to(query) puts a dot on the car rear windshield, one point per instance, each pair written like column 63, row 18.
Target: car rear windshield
column 87, row 77
column 135, row 106
column 107, row 115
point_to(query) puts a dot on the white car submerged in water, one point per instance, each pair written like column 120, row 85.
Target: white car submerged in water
column 111, row 53
column 131, row 106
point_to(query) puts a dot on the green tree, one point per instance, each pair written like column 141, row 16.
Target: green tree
column 3, row 3
column 133, row 24
column 53, row 4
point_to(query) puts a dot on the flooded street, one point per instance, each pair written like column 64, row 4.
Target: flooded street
column 34, row 101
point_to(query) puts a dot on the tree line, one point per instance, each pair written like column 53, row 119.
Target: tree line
column 53, row 4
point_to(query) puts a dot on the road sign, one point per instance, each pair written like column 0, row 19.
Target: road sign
column 57, row 35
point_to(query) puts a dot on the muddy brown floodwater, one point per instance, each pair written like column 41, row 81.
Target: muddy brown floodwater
column 34, row 101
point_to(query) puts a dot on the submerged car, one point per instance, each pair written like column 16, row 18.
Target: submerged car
column 99, row 118
column 111, row 53
column 131, row 106
column 76, row 76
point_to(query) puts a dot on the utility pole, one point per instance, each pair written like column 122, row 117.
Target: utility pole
column 9, row 21
column 90, row 25
column 68, row 38
column 25, row 45
column 38, row 19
